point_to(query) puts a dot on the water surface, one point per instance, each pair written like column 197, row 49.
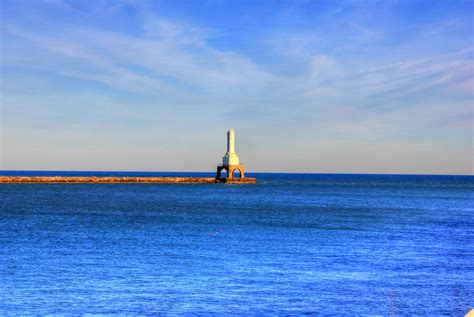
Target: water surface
column 291, row 244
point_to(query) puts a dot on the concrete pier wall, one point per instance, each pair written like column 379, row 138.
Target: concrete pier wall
column 113, row 180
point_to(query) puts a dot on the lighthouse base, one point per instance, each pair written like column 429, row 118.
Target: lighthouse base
column 231, row 170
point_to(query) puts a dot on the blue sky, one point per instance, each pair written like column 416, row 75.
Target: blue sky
column 309, row 86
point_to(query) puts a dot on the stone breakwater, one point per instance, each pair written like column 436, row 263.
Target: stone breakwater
column 114, row 180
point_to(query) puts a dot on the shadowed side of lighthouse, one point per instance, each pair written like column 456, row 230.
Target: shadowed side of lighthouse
column 231, row 163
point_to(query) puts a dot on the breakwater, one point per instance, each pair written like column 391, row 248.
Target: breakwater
column 116, row 180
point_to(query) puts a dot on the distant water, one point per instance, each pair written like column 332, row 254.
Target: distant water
column 292, row 244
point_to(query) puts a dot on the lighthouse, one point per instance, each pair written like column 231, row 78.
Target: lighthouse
column 230, row 161
column 230, row 157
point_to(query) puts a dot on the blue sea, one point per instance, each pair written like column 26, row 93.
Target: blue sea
column 292, row 244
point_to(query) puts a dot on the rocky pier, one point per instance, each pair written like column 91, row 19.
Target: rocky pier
column 120, row 180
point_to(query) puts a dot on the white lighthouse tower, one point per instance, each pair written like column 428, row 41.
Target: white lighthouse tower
column 230, row 161
column 230, row 158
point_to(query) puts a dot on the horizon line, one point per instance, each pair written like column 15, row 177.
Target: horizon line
column 247, row 172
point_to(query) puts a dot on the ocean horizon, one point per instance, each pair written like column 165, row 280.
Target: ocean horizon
column 291, row 244
column 135, row 173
